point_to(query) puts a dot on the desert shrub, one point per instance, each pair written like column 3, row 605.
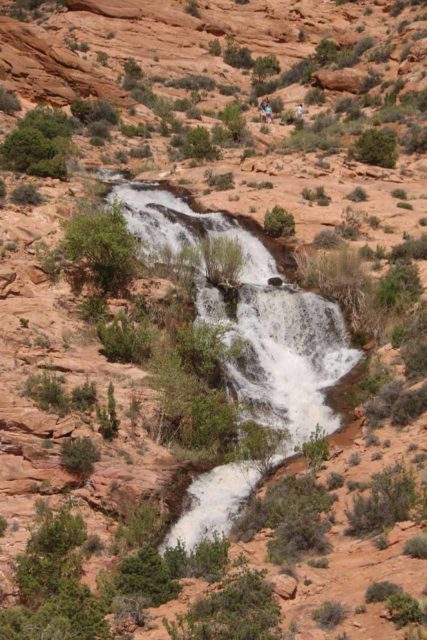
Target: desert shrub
column 3, row 525
column 320, row 563
column 9, row 103
column 327, row 239
column 400, row 194
column 26, row 194
column 49, row 168
column 101, row 241
column 192, row 8
column 330, row 614
column 208, row 560
column 264, row 67
column 92, row 110
column 198, row 145
column 132, row 69
column 415, row 248
column 83, row 397
column 93, row 308
column 403, row 609
column 377, row 147
column 47, row 391
column 416, row 547
column 415, row 139
column 315, row 96
column 326, row 52
column 380, row 407
column 318, row 195
column 194, row 83
column 244, row 608
column 357, row 195
column 219, row 181
column 279, row 222
column 214, row 47
column 316, row 448
column 334, row 481
column 299, row 72
column 146, row 573
column 79, row 455
column 410, row 404
column 400, row 287
column 405, row 205
column 107, row 416
column 391, row 499
column 202, row 350
column 238, row 57
column 414, row 344
column 140, row 526
column 380, row 591
column 293, row 507
column 124, row 340
column 224, row 260
column 234, row 121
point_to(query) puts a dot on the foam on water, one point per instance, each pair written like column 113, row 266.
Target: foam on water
column 296, row 346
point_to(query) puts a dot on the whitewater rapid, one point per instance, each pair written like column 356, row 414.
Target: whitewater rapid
column 296, row 345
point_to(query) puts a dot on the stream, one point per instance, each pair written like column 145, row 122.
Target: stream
column 295, row 346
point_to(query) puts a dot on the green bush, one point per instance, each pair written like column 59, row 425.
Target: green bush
column 326, row 52
column 330, row 614
column 400, row 287
column 141, row 526
column 125, row 341
column 26, row 194
column 24, row 147
column 414, row 344
column 357, row 195
column 107, row 417
column 234, row 121
column 238, row 57
column 79, row 455
column 315, row 96
column 52, row 123
column 416, row 547
column 47, row 391
column 202, row 350
column 89, row 111
column 83, row 397
column 93, row 308
column 334, row 481
column 377, row 147
column 146, row 573
column 391, row 499
column 3, row 525
column 101, row 241
column 404, row 609
column 220, row 181
column 208, row 560
column 299, row 72
column 410, row 404
column 415, row 140
column 279, row 222
column 224, row 260
column 415, row 248
column 214, row 47
column 132, row 69
column 316, row 449
column 198, row 145
column 49, row 168
column 380, row 591
column 264, row 67
column 400, row 194
column 327, row 240
column 244, row 608
column 9, row 103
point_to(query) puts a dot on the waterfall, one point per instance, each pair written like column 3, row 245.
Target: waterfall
column 296, row 345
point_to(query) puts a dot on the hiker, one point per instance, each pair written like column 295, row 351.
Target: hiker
column 299, row 112
column 262, row 108
column 268, row 112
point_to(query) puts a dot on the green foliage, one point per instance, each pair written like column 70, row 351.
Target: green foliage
column 90, row 111
column 214, row 47
column 140, row 527
column 334, row 481
column 9, row 103
column 133, row 69
column 404, row 609
column 3, row 525
column 260, row 444
column 202, row 350
column 220, row 181
column 391, row 499
column 316, row 449
column 414, row 344
column 299, row 72
column 279, row 222
column 330, row 614
column 264, row 67
column 47, row 391
column 107, row 417
column 400, row 287
column 124, row 340
column 198, row 145
column 377, row 147
column 327, row 239
column 224, row 260
column 26, row 194
column 52, row 123
column 101, row 241
column 412, row 248
column 380, row 591
column 208, row 560
column 83, row 397
column 410, row 404
column 357, row 195
column 192, row 8
column 79, row 455
column 238, row 57
column 244, row 608
column 93, row 308
column 326, row 52
column 234, row 121
column 314, row 96
column 146, row 573
column 400, row 194
column 416, row 547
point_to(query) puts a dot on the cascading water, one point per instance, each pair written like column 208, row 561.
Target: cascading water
column 296, row 345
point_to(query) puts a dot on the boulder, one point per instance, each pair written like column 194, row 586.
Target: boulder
column 350, row 80
column 284, row 586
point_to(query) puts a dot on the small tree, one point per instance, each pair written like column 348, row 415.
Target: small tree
column 79, row 455
column 264, row 67
column 224, row 259
column 316, row 449
column 199, row 145
column 377, row 147
column 234, row 121
column 279, row 222
column 261, row 444
column 107, row 417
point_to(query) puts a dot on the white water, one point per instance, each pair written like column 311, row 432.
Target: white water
column 296, row 346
